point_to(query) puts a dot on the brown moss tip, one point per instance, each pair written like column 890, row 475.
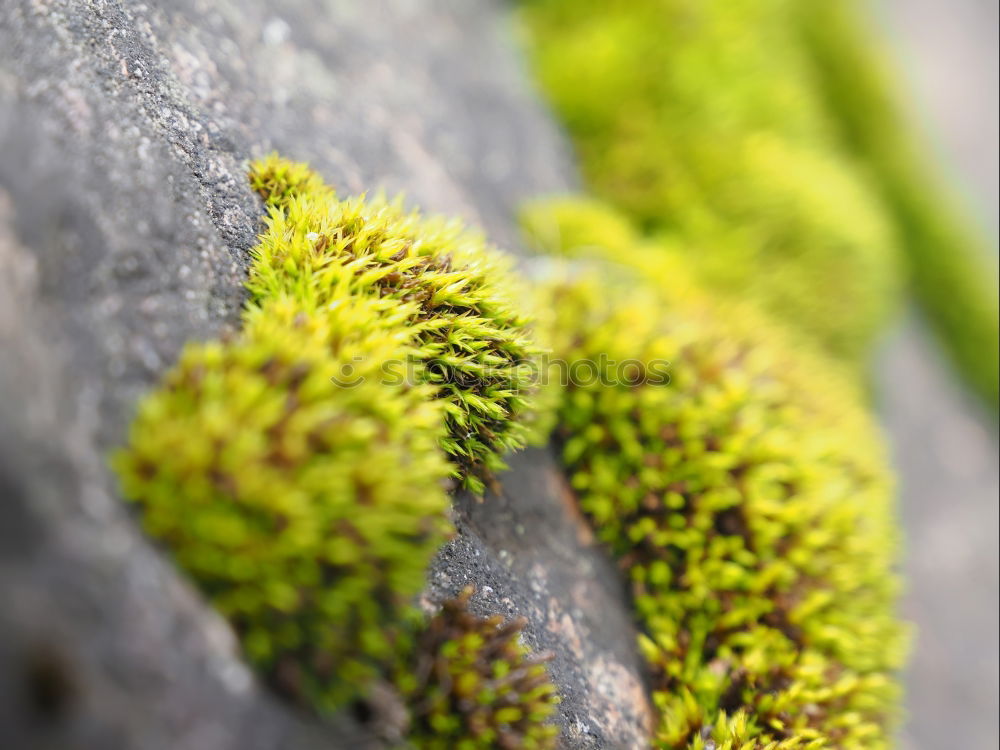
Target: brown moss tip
column 472, row 684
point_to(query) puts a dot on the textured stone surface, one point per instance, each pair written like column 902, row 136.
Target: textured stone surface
column 552, row 573
column 125, row 223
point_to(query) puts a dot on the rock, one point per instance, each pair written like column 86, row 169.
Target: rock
column 125, row 224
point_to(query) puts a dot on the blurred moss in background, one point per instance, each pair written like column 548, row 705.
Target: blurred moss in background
column 761, row 140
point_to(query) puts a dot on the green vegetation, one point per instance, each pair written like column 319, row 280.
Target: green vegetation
column 952, row 274
column 584, row 228
column 760, row 138
column 472, row 343
column 702, row 123
column 278, row 181
column 748, row 499
column 305, row 511
column 297, row 471
column 473, row 685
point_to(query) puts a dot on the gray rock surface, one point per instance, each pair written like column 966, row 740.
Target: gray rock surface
column 946, row 454
column 945, row 448
column 125, row 223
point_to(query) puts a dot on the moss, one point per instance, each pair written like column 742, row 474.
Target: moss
column 472, row 684
column 278, row 180
column 307, row 512
column 579, row 227
column 295, row 471
column 472, row 341
column 748, row 499
column 952, row 272
column 701, row 122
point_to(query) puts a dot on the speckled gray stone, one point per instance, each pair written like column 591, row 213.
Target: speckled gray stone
column 125, row 223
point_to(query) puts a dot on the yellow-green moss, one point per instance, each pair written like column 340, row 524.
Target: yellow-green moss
column 472, row 685
column 701, row 121
column 763, row 136
column 749, row 501
column 295, row 471
column 278, row 180
column 307, row 512
column 473, row 343
column 952, row 271
column 585, row 228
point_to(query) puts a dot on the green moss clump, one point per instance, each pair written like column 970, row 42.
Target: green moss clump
column 307, row 512
column 278, row 180
column 763, row 137
column 701, row 122
column 472, row 685
column 747, row 497
column 295, row 470
column 585, row 228
column 579, row 226
column 952, row 272
column 473, row 343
